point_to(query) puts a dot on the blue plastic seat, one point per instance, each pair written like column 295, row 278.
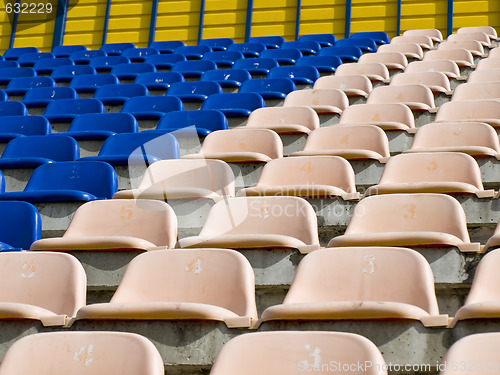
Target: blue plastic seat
column 140, row 54
column 35, row 150
column 92, row 126
column 165, row 62
column 18, row 126
column 20, row 226
column 29, row 59
column 151, row 107
column 194, row 91
column 118, row 94
column 3, row 96
column 20, row 86
column 324, row 40
column 90, row 82
column 167, row 46
column 269, row 41
column 379, row 37
column 131, row 71
column 131, row 148
column 65, row 110
column 84, row 57
column 365, row 44
column 42, row 96
column 66, row 73
column 269, row 88
column 104, row 64
column 223, row 59
column 204, row 121
column 13, row 109
column 257, row 66
column 346, row 54
column 159, row 80
column 217, row 44
column 7, row 74
column 227, row 77
column 68, row 181
column 47, row 66
column 307, row 47
column 116, row 49
column 324, row 64
column 248, row 49
column 193, row 69
column 66, row 51
column 193, row 52
column 287, row 56
column 301, row 75
column 9, row 64
column 16, row 52
column 234, row 105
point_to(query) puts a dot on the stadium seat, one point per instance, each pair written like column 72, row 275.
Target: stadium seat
column 60, row 353
column 493, row 241
column 417, row 97
column 116, row 49
column 20, row 86
column 118, row 94
column 346, row 53
column 65, row 110
column 287, row 56
column 352, row 85
column 365, row 44
column 448, row 67
column 474, row 47
column 20, row 226
column 165, row 62
column 13, row 108
column 350, row 142
column 256, row 67
column 217, row 44
column 436, row 81
column 248, row 49
column 84, row 57
column 200, row 291
column 420, row 219
column 9, row 64
column 379, row 37
column 193, row 69
column 234, row 104
column 270, row 42
column 16, row 52
column 324, row 64
column 283, row 120
column 223, row 59
column 151, row 107
column 477, row 91
column 489, row 63
column 184, row 179
column 424, row 41
column 43, row 286
column 88, row 83
column 307, row 47
column 409, row 50
column 241, row 145
column 387, row 116
column 192, row 52
column 194, row 91
column 434, row 172
column 376, row 72
column 91, row 126
column 16, row 126
column 461, row 57
column 139, row 54
column 300, row 75
column 434, row 34
column 258, row 222
column 269, row 88
column 321, row 100
column 480, row 37
column 116, row 224
column 47, row 66
column 42, row 96
column 204, row 121
column 8, row 74
column 132, row 71
column 280, row 352
column 159, row 80
column 394, row 61
column 104, row 64
column 167, row 46
column 306, row 176
column 66, row 51
column 29, row 59
column 67, row 181
column 66, row 73
column 325, row 40
column 367, row 283
column 485, row 110
column 484, row 75
column 488, row 30
column 227, row 78
column 137, row 148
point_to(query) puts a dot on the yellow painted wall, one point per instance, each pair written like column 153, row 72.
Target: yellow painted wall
column 374, row 15
column 225, row 19
column 429, row 14
column 476, row 13
column 5, row 28
column 36, row 29
column 85, row 22
column 178, row 20
column 323, row 17
column 274, row 17
column 129, row 22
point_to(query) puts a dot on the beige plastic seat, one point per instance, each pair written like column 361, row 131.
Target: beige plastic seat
column 351, row 85
column 410, row 50
column 483, row 300
column 83, row 353
column 352, row 142
column 284, row 120
column 477, row 91
column 306, row 176
column 183, row 284
column 184, row 179
column 258, row 222
column 485, row 75
column 392, row 60
column 480, row 37
column 474, row 47
column 241, row 145
column 448, row 67
column 49, row 287
column 488, row 30
column 489, row 63
column 390, row 116
column 416, row 97
column 436, row 81
column 421, row 219
column 424, row 41
column 361, row 283
column 434, row 34
column 117, row 224
column 473, row 138
column 494, row 53
column 487, row 111
column 321, row 100
column 294, row 352
column 494, row 240
column 460, row 56
column 435, row 172
column 376, row 72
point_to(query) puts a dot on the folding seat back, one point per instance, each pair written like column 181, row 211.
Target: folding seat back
column 346, row 53
column 324, row 64
column 248, row 49
column 193, row 69
column 284, row 120
column 112, row 93
column 365, row 44
column 42, row 96
column 473, row 46
column 73, row 107
column 68, row 72
column 485, row 110
column 165, row 61
column 238, row 104
column 386, row 116
column 39, row 149
column 269, row 88
column 29, row 59
column 13, row 126
column 47, row 66
column 307, row 47
column 130, row 71
column 194, row 90
column 83, row 353
column 102, row 125
column 9, row 64
column 434, row 34
column 66, row 51
column 217, row 44
column 116, row 49
column 436, row 81
column 485, row 75
column 424, row 41
column 152, row 105
column 7, row 74
column 16, row 52
column 205, row 121
column 448, row 67
column 299, row 74
column 223, row 58
column 392, row 60
column 21, row 85
column 13, row 108
column 159, row 80
column 380, row 37
column 477, row 91
column 480, row 37
column 488, row 30
column 288, row 56
column 193, row 52
column 20, row 226
column 410, row 50
column 167, row 46
column 461, row 56
column 90, row 82
column 374, row 71
column 417, row 97
column 105, row 63
column 351, row 85
column 140, row 54
column 325, row 40
column 234, row 77
column 257, row 65
column 272, row 42
column 84, row 57
column 321, row 100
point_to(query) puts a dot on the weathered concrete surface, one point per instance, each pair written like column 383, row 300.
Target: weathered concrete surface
column 16, row 178
column 327, row 119
column 129, row 177
column 423, row 118
column 147, row 124
column 246, row 174
column 293, row 143
column 90, row 147
column 441, row 98
column 399, row 141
